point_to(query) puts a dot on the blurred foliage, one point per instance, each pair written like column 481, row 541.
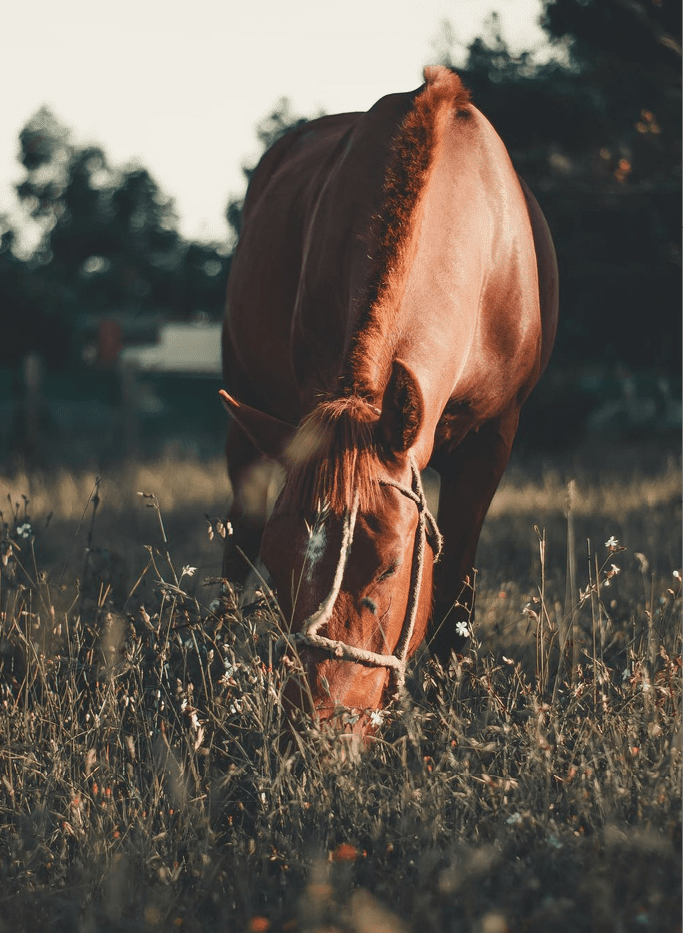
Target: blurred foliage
column 30, row 316
column 109, row 244
column 595, row 130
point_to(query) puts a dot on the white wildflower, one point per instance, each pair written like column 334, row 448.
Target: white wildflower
column 462, row 629
column 612, row 543
column 376, row 718
column 615, row 569
column 24, row 531
column 187, row 571
column 643, row 562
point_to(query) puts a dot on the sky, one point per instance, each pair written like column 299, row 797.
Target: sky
column 180, row 87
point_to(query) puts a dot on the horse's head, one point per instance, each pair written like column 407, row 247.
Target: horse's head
column 350, row 546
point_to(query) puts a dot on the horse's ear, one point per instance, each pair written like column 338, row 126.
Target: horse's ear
column 402, row 409
column 269, row 435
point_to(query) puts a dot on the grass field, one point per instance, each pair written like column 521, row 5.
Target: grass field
column 534, row 786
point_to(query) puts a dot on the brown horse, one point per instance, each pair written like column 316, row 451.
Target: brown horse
column 392, row 302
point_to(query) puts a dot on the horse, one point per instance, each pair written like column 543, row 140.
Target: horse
column 391, row 303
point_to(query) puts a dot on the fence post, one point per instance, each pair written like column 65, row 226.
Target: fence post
column 129, row 407
column 32, row 404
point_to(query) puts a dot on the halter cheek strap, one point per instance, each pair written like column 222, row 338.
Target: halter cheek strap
column 426, row 530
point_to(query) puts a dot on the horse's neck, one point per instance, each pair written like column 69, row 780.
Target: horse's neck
column 469, row 302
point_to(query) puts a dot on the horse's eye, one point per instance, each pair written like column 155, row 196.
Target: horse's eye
column 373, row 523
column 391, row 569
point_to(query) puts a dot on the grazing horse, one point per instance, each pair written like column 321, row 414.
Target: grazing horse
column 392, row 302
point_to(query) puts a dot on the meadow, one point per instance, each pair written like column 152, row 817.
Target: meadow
column 535, row 785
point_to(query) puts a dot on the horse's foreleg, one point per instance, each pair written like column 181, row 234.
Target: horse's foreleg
column 249, row 477
column 469, row 478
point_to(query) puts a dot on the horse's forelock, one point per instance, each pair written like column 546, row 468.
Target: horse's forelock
column 333, row 457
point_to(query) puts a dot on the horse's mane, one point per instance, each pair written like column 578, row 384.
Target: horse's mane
column 333, row 455
column 393, row 230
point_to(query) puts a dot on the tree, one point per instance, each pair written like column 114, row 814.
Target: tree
column 108, row 235
column 109, row 244
column 27, row 309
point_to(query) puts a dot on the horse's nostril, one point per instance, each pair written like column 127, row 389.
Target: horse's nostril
column 369, row 604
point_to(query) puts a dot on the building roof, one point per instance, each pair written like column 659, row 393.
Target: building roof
column 190, row 349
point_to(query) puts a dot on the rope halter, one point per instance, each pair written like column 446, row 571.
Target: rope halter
column 426, row 530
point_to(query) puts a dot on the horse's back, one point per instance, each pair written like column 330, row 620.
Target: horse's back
column 301, row 262
column 301, row 285
column 266, row 266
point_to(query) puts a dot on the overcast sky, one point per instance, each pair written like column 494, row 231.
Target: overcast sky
column 181, row 86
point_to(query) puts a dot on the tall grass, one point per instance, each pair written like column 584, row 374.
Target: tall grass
column 533, row 785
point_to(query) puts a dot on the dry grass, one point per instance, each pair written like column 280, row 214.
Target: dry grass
column 534, row 786
column 178, row 484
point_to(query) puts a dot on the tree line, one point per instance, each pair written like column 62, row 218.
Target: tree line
column 594, row 127
column 108, row 243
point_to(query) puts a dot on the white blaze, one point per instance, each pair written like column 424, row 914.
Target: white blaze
column 314, row 550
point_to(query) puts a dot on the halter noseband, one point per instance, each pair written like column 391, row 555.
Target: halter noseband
column 396, row 662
